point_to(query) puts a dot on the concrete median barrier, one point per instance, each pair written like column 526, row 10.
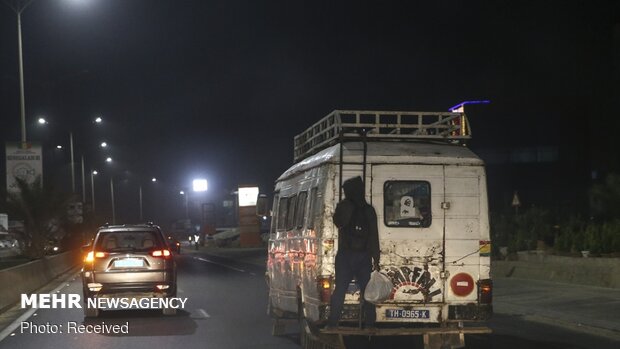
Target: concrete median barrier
column 602, row 272
column 29, row 277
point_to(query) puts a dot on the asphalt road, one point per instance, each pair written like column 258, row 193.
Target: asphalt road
column 226, row 309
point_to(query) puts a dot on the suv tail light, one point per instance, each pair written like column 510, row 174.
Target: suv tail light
column 485, row 291
column 161, row 253
column 90, row 257
column 325, row 288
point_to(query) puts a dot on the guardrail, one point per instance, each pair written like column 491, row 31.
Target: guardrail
column 28, row 277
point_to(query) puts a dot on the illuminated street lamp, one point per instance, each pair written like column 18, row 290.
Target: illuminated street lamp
column 153, row 179
column 59, row 146
column 98, row 120
column 42, row 121
column 108, row 159
column 200, row 185
column 104, row 144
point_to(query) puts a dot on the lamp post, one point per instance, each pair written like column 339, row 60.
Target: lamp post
column 92, row 188
column 72, row 163
column 112, row 198
column 140, row 196
column 182, row 192
column 18, row 7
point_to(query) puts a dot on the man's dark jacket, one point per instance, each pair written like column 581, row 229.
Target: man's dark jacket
column 354, row 197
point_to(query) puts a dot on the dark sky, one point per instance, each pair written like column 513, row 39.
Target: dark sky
column 220, row 88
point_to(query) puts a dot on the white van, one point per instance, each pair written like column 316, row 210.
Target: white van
column 429, row 192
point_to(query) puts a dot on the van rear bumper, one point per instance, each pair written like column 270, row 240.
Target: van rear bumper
column 405, row 331
column 461, row 312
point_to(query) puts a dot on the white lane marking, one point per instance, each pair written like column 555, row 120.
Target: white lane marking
column 203, row 313
column 220, row 264
column 8, row 331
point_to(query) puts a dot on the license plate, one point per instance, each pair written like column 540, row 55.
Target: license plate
column 407, row 314
column 129, row 263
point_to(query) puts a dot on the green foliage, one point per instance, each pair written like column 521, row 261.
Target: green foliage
column 605, row 198
column 42, row 209
column 569, row 237
column 572, row 235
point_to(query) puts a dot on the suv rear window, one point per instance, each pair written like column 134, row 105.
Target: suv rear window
column 120, row 241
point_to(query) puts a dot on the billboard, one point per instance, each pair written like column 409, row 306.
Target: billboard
column 248, row 196
column 23, row 161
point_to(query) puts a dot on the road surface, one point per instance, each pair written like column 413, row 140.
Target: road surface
column 226, row 309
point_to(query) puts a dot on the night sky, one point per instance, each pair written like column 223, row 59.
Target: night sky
column 220, row 88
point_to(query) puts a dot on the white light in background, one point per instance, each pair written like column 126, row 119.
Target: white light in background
column 200, row 184
column 248, row 196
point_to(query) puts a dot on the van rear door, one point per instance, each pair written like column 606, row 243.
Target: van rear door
column 408, row 200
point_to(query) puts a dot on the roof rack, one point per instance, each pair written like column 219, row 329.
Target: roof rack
column 341, row 125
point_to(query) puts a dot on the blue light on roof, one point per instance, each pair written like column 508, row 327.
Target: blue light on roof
column 468, row 102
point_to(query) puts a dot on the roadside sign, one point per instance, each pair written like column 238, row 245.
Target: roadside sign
column 23, row 160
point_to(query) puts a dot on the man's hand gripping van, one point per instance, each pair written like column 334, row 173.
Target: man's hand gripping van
column 429, row 192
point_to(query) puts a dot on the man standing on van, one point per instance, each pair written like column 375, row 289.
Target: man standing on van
column 358, row 248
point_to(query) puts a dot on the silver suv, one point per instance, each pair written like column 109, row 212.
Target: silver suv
column 132, row 261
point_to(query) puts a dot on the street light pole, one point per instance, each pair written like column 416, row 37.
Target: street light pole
column 92, row 188
column 72, row 163
column 83, row 182
column 18, row 7
column 112, row 197
column 22, row 98
column 187, row 205
column 140, row 194
column 186, row 194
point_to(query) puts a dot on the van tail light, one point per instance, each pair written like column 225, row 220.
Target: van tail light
column 161, row 253
column 90, row 257
column 485, row 291
column 325, row 285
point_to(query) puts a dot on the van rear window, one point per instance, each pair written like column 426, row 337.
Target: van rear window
column 407, row 204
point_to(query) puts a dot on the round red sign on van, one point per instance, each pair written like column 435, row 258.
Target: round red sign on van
column 462, row 284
